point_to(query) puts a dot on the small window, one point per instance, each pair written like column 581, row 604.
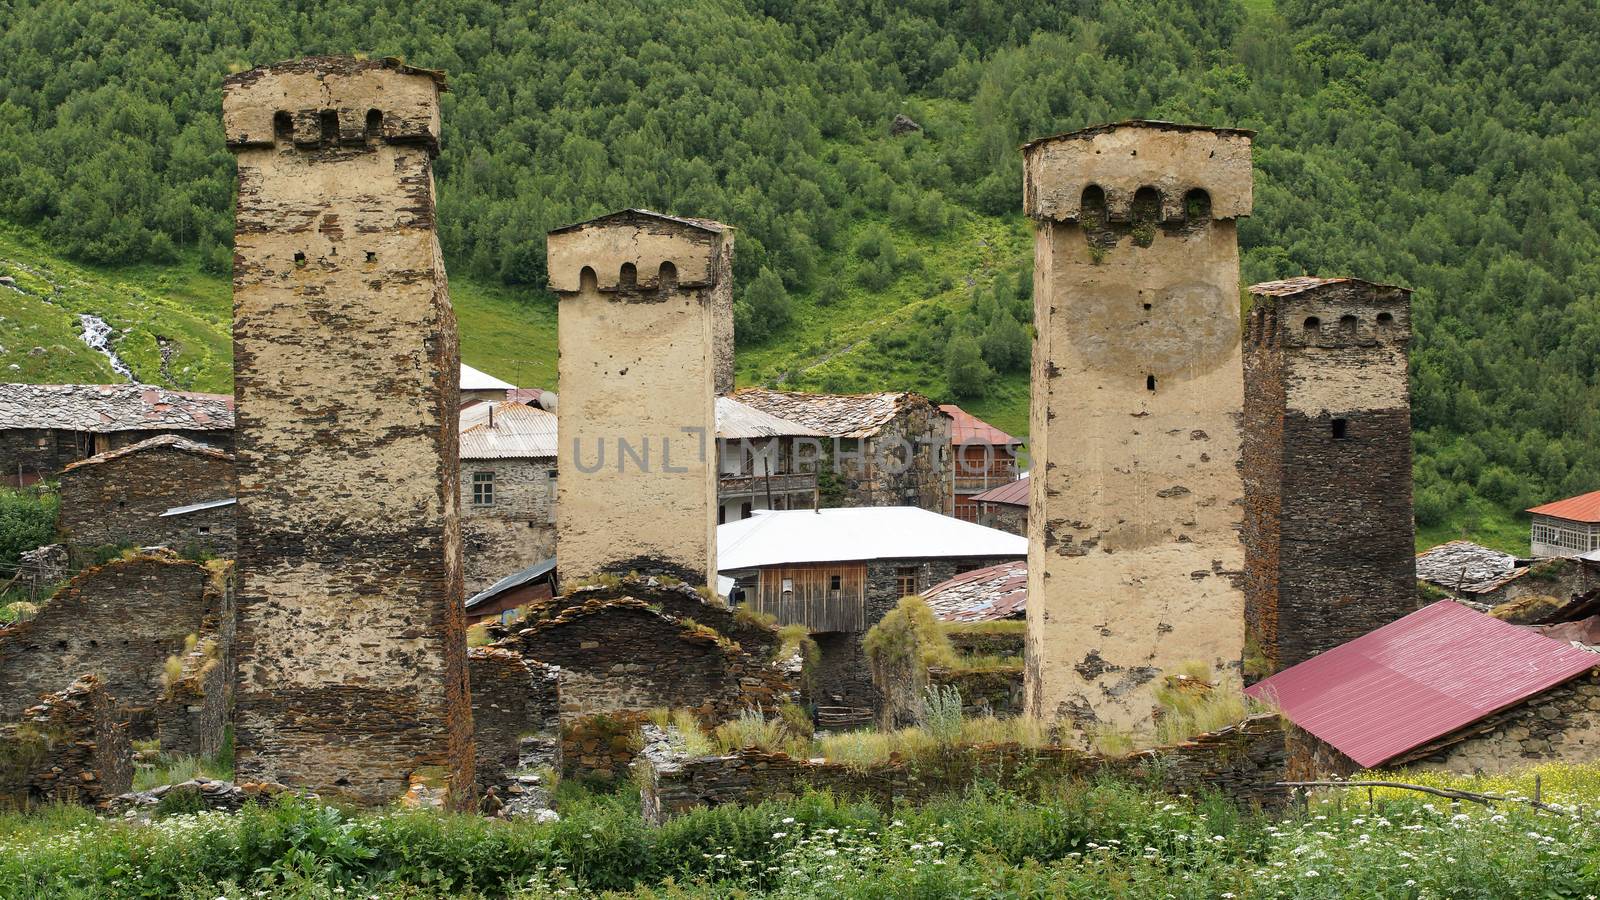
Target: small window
column 283, row 125
column 1149, row 382
column 1313, row 323
column 299, row 260
column 906, row 581
column 835, row 582
column 1385, row 319
column 1341, row 427
column 746, row 510
column 374, row 124
column 330, row 125
column 482, row 488
column 1347, row 324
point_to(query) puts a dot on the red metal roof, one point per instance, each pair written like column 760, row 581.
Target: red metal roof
column 1582, row 508
column 966, row 428
column 1015, row 493
column 1417, row 679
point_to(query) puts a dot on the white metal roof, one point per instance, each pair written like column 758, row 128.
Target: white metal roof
column 507, row 430
column 875, row 532
column 196, row 507
column 737, row 420
column 476, row 380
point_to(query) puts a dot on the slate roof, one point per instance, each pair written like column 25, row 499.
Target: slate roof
column 1582, row 508
column 160, row 441
column 112, row 407
column 1418, row 679
column 982, row 595
column 737, row 420
column 1467, row 567
column 518, row 431
column 966, row 428
column 1015, row 493
column 833, row 415
column 786, row 537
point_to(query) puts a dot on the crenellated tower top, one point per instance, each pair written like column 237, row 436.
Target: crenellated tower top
column 332, row 101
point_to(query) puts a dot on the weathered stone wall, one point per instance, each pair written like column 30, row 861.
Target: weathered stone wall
column 512, row 698
column 905, row 464
column 980, row 642
column 119, row 621
column 1561, row 724
column 192, row 715
column 518, row 530
column 39, row 453
column 637, row 417
column 121, row 498
column 1135, row 558
column 352, row 655
column 1243, row 762
column 992, row 690
column 72, row 747
column 1007, row 517
column 1330, row 550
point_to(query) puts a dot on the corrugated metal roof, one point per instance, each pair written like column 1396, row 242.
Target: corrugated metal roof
column 982, row 595
column 169, row 441
column 1582, row 508
column 112, row 407
column 736, row 421
column 478, row 380
column 517, row 579
column 966, row 428
column 1015, row 493
column 834, row 415
column 506, row 430
column 771, row 538
column 1418, row 679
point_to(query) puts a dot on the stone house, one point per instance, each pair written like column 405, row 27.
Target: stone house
column 1487, row 577
column 535, row 584
column 1569, row 527
column 982, row 457
column 1446, row 688
column 886, row 449
column 839, row 571
column 45, row 427
column 1005, row 507
column 165, row 491
column 763, row 462
column 508, row 490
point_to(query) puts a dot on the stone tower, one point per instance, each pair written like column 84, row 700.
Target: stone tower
column 1329, row 544
column 1135, row 560
column 645, row 306
column 351, row 644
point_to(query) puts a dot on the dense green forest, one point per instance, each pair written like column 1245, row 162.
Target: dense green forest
column 1453, row 147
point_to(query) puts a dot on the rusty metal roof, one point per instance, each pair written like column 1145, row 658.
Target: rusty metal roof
column 168, row 441
column 507, row 430
column 982, row 595
column 1015, row 493
column 1582, row 508
column 112, row 407
column 966, row 428
column 1418, row 679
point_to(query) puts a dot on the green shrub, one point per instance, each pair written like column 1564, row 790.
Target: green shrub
column 27, row 520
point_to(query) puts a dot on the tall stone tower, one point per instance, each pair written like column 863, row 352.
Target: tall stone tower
column 1135, row 561
column 351, row 646
column 1329, row 543
column 645, row 305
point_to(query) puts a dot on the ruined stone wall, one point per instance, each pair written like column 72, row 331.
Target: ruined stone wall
column 36, row 454
column 512, row 698
column 119, row 621
column 905, row 464
column 1330, row 548
column 71, row 747
column 990, row 691
column 1242, row 762
column 518, row 530
column 352, row 657
column 120, row 500
column 192, row 714
column 637, row 417
column 1135, row 557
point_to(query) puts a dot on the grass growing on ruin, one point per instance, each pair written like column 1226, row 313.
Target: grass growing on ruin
column 1101, row 838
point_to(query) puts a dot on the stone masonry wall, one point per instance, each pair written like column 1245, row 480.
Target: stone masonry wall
column 518, row 530
column 638, row 372
column 904, row 464
column 1135, row 564
column 352, row 655
column 192, row 715
column 1330, row 551
column 121, row 499
column 512, row 698
column 1007, row 517
column 1242, row 762
column 119, row 621
column 993, row 690
column 72, row 747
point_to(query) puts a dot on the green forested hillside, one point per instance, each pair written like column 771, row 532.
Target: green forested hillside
column 1453, row 147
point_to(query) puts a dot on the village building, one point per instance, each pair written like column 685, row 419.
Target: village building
column 1488, row 578
column 839, row 571
column 982, row 457
column 165, row 491
column 352, row 647
column 1445, row 688
column 1005, row 507
column 885, row 449
column 1569, row 527
column 990, row 594
column 1329, row 541
column 478, row 386
column 763, row 462
column 45, row 427
column 1136, row 560
column 508, row 489
column 534, row 584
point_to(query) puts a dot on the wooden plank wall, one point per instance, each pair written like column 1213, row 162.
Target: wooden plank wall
column 811, row 602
